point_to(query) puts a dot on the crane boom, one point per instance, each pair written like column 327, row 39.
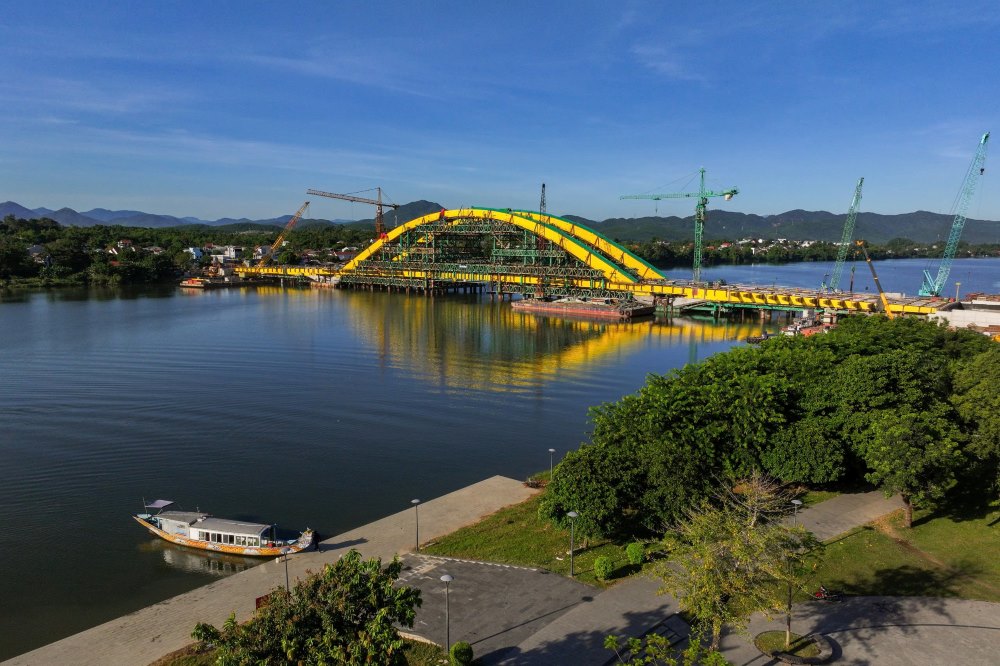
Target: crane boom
column 933, row 286
column 846, row 236
column 878, row 285
column 281, row 237
column 699, row 213
column 379, row 223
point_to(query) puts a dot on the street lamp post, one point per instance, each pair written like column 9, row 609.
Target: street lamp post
column 551, row 453
column 572, row 515
column 957, row 285
column 285, row 551
column 795, row 512
column 416, row 520
column 446, row 579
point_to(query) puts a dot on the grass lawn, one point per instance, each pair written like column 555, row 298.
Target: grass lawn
column 943, row 555
column 770, row 642
column 516, row 535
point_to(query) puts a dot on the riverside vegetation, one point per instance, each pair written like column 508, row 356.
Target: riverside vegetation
column 904, row 404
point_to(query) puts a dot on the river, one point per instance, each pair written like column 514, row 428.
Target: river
column 315, row 408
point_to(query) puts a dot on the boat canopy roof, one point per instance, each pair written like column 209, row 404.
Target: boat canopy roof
column 159, row 504
column 230, row 526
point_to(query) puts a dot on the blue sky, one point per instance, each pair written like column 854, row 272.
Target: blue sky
column 235, row 109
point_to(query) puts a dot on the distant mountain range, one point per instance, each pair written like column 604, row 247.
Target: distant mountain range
column 919, row 226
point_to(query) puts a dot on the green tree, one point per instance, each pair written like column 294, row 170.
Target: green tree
column 656, row 649
column 347, row 614
column 915, row 454
column 735, row 557
column 67, row 252
column 14, row 260
column 977, row 400
column 602, row 485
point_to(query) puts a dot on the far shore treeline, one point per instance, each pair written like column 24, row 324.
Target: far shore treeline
column 904, row 404
column 43, row 252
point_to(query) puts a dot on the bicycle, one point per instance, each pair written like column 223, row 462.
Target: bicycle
column 830, row 596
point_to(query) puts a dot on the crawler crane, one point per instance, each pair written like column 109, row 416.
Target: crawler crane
column 845, row 238
column 932, row 286
column 878, row 285
column 281, row 237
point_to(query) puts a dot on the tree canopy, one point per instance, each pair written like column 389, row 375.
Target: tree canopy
column 346, row 614
column 807, row 410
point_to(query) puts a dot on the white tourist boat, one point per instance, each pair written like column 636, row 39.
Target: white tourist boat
column 206, row 532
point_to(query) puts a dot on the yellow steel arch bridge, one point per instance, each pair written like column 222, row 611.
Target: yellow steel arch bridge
column 537, row 254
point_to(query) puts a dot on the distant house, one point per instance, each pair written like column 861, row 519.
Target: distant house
column 153, row 249
column 122, row 247
column 195, row 253
column 346, row 254
column 232, row 252
column 40, row 255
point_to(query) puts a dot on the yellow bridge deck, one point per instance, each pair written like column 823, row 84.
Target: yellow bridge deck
column 774, row 297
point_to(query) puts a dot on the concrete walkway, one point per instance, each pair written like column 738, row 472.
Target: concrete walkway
column 148, row 634
column 630, row 609
column 845, row 512
column 633, row 609
column 888, row 631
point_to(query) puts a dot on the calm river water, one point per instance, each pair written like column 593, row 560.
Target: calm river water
column 314, row 408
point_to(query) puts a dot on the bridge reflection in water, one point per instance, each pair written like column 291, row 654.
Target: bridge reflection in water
column 469, row 342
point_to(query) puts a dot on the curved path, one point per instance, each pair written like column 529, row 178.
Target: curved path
column 889, row 631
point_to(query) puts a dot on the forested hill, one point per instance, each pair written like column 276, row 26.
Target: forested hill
column 919, row 226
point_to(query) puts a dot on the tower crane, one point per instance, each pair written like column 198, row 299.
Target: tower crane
column 379, row 221
column 878, row 285
column 845, row 237
column 281, row 237
column 933, row 286
column 699, row 213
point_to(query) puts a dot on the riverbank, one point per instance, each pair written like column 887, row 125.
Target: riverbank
column 148, row 634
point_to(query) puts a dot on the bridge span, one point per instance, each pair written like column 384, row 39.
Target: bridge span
column 504, row 251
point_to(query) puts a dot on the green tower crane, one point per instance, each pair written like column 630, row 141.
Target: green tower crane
column 845, row 237
column 932, row 286
column 699, row 213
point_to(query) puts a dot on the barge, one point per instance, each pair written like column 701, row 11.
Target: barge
column 578, row 307
column 197, row 283
column 203, row 531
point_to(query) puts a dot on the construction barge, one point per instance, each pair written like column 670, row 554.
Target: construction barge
column 581, row 307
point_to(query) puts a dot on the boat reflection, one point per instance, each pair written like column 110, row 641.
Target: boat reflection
column 195, row 561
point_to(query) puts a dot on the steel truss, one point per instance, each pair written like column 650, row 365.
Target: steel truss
column 459, row 253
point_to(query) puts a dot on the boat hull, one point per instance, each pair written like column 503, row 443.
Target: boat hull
column 304, row 542
column 586, row 309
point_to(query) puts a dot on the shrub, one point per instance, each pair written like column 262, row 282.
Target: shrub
column 603, row 566
column 635, row 552
column 461, row 654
